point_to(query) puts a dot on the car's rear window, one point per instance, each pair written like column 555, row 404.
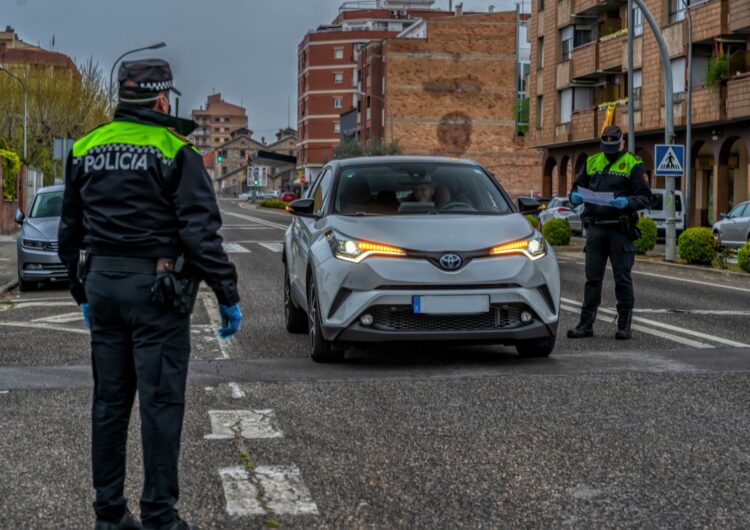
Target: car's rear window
column 47, row 204
column 417, row 188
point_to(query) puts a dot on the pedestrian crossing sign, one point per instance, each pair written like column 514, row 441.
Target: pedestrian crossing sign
column 670, row 160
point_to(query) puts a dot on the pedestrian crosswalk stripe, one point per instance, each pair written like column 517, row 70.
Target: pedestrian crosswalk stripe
column 235, row 248
column 284, row 491
column 273, row 247
column 250, row 424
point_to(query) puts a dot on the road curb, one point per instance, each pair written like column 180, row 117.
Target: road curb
column 8, row 286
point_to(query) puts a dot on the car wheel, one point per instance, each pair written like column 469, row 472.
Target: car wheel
column 321, row 350
column 25, row 286
column 717, row 237
column 294, row 317
column 536, row 347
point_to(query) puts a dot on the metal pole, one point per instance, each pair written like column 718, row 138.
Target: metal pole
column 687, row 205
column 112, row 71
column 631, row 99
column 671, row 236
column 25, row 109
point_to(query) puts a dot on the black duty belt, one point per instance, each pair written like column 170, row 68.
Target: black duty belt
column 129, row 265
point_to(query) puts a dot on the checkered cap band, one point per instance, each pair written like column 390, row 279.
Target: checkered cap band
column 157, row 86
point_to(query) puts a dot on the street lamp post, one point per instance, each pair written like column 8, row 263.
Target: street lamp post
column 25, row 108
column 385, row 105
column 112, row 72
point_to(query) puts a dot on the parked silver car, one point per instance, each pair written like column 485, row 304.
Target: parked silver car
column 734, row 228
column 416, row 249
column 562, row 208
column 37, row 240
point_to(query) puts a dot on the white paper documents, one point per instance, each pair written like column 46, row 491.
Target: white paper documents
column 600, row 198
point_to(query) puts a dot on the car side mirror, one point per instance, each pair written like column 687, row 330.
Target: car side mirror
column 528, row 205
column 20, row 216
column 302, row 207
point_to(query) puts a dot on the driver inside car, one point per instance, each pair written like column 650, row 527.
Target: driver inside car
column 430, row 192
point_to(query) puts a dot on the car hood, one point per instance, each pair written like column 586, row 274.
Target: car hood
column 435, row 233
column 42, row 229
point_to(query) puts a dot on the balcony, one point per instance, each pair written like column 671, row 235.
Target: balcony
column 710, row 20
column 709, row 104
column 738, row 95
column 583, row 125
column 562, row 79
column 675, row 37
column 585, row 60
column 563, row 13
column 593, row 7
column 562, row 133
column 621, row 116
column 540, row 24
column 739, row 15
column 611, row 51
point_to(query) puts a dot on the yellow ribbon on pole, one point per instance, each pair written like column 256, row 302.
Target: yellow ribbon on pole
column 609, row 117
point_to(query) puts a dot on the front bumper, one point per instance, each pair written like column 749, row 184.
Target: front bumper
column 40, row 265
column 384, row 288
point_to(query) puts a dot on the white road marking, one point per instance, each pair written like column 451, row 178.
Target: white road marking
column 4, row 391
column 4, row 259
column 237, row 392
column 24, row 305
column 252, row 424
column 61, row 319
column 31, row 325
column 705, row 312
column 284, row 490
column 212, row 308
column 234, row 248
column 669, row 327
column 273, row 247
column 258, row 220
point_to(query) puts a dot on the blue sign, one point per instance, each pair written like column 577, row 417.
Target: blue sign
column 669, row 160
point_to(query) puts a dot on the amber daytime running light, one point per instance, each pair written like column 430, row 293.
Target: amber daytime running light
column 532, row 248
column 349, row 249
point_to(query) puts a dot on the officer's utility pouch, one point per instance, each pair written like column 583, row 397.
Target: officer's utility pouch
column 629, row 226
column 186, row 288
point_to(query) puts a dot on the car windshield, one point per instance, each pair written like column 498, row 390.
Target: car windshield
column 658, row 203
column 47, row 204
column 418, row 188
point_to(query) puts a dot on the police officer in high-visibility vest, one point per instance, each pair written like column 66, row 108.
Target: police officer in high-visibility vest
column 139, row 230
column 611, row 229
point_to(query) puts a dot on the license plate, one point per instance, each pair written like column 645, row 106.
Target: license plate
column 451, row 304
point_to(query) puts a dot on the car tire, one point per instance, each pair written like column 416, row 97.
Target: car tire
column 717, row 237
column 25, row 286
column 295, row 317
column 321, row 350
column 535, row 348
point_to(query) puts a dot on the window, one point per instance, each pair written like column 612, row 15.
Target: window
column 583, row 98
column 224, row 170
column 566, row 43
column 541, row 5
column 216, row 120
column 242, row 153
column 677, row 10
column 216, row 140
column 338, row 103
column 637, row 83
column 566, row 105
column 338, row 53
column 583, row 35
column 539, row 111
column 540, row 53
column 338, row 78
column 47, row 205
column 678, row 76
column 637, row 21
column 336, row 127
column 323, row 182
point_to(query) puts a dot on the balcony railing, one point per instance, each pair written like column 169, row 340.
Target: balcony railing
column 739, row 15
column 562, row 75
column 585, row 59
column 563, row 13
column 674, row 35
column 738, row 95
column 710, row 20
column 593, row 6
column 583, row 125
column 709, row 104
column 562, row 133
column 610, row 51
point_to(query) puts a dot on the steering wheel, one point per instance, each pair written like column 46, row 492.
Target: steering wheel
column 453, row 205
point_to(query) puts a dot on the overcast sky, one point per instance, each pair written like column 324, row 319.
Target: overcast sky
column 245, row 49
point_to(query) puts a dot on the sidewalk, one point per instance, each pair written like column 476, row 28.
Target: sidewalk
column 8, row 272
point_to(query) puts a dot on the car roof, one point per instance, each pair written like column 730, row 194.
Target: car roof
column 400, row 159
column 48, row 189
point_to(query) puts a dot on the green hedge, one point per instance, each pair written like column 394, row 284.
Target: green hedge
column 647, row 241
column 273, row 203
column 557, row 232
column 697, row 245
column 533, row 221
column 743, row 257
column 11, row 166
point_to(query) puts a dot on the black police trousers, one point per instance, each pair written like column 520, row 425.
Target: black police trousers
column 136, row 345
column 605, row 242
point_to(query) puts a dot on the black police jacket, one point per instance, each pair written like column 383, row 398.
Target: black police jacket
column 135, row 188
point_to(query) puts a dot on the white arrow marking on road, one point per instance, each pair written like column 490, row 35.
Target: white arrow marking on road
column 237, row 392
column 252, row 424
column 284, row 490
column 61, row 319
column 273, row 247
column 234, row 248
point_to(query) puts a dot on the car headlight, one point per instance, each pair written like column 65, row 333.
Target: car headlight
column 354, row 250
column 532, row 247
column 33, row 243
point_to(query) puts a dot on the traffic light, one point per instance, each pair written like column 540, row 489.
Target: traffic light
column 255, row 182
column 219, row 158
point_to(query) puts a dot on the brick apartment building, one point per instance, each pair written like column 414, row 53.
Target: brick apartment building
column 327, row 60
column 216, row 123
column 451, row 86
column 579, row 64
column 15, row 52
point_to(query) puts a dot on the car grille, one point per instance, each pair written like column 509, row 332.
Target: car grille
column 403, row 318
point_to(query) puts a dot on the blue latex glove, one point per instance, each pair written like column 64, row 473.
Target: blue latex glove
column 231, row 318
column 576, row 198
column 85, row 313
column 619, row 202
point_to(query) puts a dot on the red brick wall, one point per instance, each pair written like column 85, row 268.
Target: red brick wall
column 710, row 20
column 8, row 209
column 739, row 15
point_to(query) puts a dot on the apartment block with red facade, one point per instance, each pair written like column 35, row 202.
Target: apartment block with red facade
column 579, row 64
column 327, row 62
column 216, row 123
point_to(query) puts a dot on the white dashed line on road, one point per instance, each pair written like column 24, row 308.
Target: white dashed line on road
column 273, row 247
column 64, row 318
column 39, row 325
column 284, row 491
column 258, row 220
column 235, row 248
column 212, row 308
column 237, row 392
column 251, row 424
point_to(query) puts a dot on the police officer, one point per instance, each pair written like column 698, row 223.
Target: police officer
column 610, row 230
column 137, row 203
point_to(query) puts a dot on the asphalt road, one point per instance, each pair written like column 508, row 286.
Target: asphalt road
column 652, row 432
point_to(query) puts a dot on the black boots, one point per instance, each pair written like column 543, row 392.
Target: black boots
column 128, row 522
column 623, row 325
column 583, row 329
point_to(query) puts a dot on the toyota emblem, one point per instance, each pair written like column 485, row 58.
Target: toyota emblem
column 451, row 262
